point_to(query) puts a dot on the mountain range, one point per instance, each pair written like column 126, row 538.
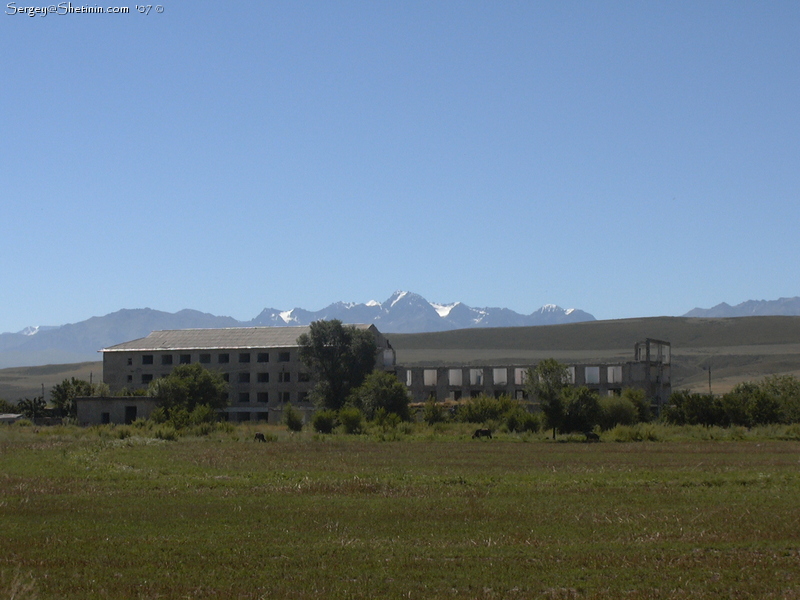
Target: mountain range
column 402, row 312
column 751, row 308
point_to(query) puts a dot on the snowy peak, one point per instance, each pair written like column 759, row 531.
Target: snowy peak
column 407, row 312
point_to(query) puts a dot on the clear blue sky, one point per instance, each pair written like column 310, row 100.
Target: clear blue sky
column 626, row 158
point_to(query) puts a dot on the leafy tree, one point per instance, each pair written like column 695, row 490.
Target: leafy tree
column 63, row 395
column 7, row 407
column 637, row 397
column 547, row 382
column 340, row 357
column 581, row 409
column 786, row 390
column 687, row 408
column 187, row 387
column 32, row 408
column 763, row 408
column 381, row 390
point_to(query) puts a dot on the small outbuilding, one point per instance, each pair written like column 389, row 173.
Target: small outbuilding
column 9, row 418
column 100, row 410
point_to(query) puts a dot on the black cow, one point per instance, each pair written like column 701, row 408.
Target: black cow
column 479, row 433
column 591, row 436
column 260, row 437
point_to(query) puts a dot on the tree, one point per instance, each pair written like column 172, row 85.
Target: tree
column 637, row 397
column 581, row 409
column 63, row 395
column 547, row 382
column 188, row 387
column 7, row 407
column 339, row 356
column 786, row 389
column 32, row 408
column 687, row 408
column 381, row 390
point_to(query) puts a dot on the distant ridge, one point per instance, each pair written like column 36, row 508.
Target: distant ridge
column 402, row 312
column 788, row 307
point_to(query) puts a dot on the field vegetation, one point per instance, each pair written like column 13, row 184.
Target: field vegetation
column 413, row 510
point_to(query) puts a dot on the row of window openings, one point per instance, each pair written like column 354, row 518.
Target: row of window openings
column 282, row 397
column 224, row 358
column 500, row 376
column 283, row 377
column 518, row 394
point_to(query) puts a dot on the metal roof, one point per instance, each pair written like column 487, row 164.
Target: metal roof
column 214, row 339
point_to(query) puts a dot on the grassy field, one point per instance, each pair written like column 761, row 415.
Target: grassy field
column 95, row 514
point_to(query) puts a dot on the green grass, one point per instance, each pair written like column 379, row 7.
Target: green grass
column 434, row 516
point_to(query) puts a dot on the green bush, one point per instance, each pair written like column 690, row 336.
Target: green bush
column 387, row 420
column 352, row 420
column 485, row 408
column 292, row 419
column 433, row 412
column 617, row 411
column 324, row 421
column 519, row 420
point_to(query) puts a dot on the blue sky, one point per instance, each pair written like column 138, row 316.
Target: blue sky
column 626, row 158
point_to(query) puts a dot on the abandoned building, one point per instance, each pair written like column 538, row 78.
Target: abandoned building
column 649, row 371
column 260, row 364
column 264, row 373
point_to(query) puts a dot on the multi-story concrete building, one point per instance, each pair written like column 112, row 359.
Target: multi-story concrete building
column 260, row 364
column 264, row 373
column 650, row 371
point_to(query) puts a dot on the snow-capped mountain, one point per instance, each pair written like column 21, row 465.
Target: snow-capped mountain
column 406, row 312
column 402, row 312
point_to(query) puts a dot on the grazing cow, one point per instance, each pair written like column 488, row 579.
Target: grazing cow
column 260, row 437
column 591, row 436
column 479, row 433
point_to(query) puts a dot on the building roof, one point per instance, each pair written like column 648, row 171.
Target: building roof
column 214, row 339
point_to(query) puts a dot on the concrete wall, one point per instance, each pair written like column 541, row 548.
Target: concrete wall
column 120, row 410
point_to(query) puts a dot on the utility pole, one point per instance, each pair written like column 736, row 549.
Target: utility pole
column 708, row 368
